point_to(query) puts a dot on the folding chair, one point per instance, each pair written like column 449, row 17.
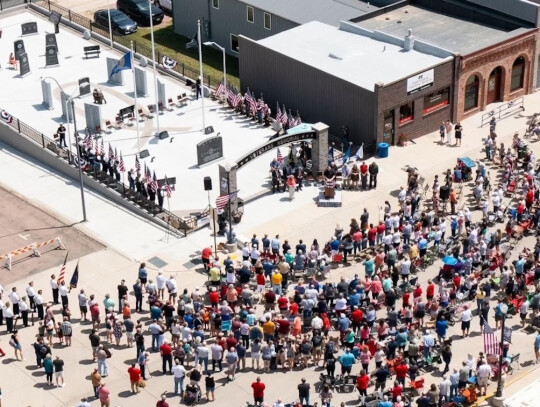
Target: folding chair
column 161, row 107
column 171, row 104
column 141, row 113
column 151, row 111
column 109, row 126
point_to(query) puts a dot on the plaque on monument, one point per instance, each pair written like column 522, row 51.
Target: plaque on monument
column 51, row 57
column 50, row 39
column 84, row 86
column 24, row 65
column 19, row 49
column 29, row 28
column 209, row 150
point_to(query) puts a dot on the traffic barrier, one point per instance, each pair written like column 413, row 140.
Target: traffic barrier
column 8, row 258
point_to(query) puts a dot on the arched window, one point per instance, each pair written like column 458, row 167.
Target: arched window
column 518, row 71
column 471, row 92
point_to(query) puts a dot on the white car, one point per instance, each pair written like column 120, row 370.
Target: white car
column 165, row 5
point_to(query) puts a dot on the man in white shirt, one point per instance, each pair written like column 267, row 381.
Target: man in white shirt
column 63, row 291
column 405, row 268
column 173, row 290
column 444, row 389
column 483, row 373
column 341, row 303
column 317, row 323
column 54, row 287
column 31, row 292
column 466, row 317
column 8, row 315
column 160, row 281
column 23, row 308
column 14, row 298
column 38, row 300
column 179, row 372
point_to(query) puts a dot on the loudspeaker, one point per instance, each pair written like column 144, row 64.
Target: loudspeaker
column 144, row 154
column 208, row 130
column 163, row 135
column 207, row 183
column 444, row 193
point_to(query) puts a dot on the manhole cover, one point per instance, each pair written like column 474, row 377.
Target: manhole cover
column 156, row 261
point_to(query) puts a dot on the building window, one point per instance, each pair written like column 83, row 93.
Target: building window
column 234, row 43
column 518, row 70
column 406, row 113
column 250, row 14
column 215, row 3
column 471, row 92
column 436, row 100
column 268, row 21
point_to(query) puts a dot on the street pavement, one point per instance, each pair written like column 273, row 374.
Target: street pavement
column 129, row 240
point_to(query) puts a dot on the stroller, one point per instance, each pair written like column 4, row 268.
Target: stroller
column 192, row 395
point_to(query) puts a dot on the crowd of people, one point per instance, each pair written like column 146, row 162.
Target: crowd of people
column 379, row 331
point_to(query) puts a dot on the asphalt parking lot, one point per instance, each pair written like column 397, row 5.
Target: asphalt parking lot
column 24, row 224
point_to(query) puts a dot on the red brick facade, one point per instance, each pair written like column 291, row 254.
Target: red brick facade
column 482, row 63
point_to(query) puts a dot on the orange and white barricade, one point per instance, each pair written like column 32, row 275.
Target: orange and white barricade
column 34, row 248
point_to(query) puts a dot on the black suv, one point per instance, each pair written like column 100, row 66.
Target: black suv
column 119, row 21
column 139, row 10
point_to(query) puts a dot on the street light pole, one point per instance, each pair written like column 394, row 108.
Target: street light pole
column 228, row 168
column 504, row 310
column 210, row 43
column 69, row 99
column 81, row 181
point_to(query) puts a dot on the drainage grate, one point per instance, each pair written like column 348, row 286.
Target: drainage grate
column 156, row 261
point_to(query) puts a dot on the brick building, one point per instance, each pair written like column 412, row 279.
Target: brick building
column 495, row 51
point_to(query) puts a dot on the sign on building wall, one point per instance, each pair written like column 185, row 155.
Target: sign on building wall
column 421, row 81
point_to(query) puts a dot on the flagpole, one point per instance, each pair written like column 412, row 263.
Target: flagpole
column 154, row 63
column 110, row 28
column 135, row 97
column 201, row 70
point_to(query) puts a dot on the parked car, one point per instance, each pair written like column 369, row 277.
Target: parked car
column 120, row 22
column 165, row 5
column 139, row 10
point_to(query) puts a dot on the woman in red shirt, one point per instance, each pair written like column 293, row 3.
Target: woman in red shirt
column 362, row 383
column 134, row 378
column 430, row 291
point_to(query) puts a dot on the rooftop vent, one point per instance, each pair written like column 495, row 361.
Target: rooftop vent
column 408, row 44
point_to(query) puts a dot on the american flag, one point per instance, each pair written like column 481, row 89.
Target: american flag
column 252, row 101
column 292, row 120
column 221, row 88
column 137, row 164
column 101, row 148
column 167, row 188
column 63, row 270
column 298, row 119
column 279, row 157
column 491, row 345
column 284, row 117
column 87, row 142
column 222, row 200
column 154, row 184
column 279, row 115
column 115, row 155
column 121, row 166
column 238, row 97
column 147, row 175
column 231, row 97
column 111, row 153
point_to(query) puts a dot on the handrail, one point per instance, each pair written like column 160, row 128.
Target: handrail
column 168, row 219
column 509, row 107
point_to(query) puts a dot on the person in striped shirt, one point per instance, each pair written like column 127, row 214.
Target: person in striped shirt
column 67, row 331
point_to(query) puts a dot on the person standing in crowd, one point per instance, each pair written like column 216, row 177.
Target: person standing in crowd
column 258, row 391
column 134, row 378
column 59, row 371
column 95, row 378
column 104, row 395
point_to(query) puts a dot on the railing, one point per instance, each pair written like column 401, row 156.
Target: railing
column 503, row 110
column 138, row 47
column 171, row 221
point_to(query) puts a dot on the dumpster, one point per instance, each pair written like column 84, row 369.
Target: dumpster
column 383, row 150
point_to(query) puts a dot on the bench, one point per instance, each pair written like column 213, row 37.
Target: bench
column 91, row 50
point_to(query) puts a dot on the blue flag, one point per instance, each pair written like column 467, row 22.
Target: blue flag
column 331, row 155
column 122, row 64
column 347, row 155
